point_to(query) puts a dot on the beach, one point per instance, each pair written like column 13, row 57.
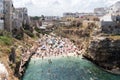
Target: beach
column 51, row 46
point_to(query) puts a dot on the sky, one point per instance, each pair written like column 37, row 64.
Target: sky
column 58, row 7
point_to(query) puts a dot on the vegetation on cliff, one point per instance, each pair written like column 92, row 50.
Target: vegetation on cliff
column 6, row 43
column 80, row 35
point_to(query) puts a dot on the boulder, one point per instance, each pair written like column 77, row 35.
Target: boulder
column 3, row 72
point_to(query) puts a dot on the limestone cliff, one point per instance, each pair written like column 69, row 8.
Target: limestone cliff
column 105, row 52
column 12, row 62
column 102, row 46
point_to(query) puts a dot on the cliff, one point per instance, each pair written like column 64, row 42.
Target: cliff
column 12, row 62
column 104, row 50
column 100, row 47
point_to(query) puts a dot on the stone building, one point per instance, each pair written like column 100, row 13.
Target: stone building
column 21, row 17
column 100, row 11
column 8, row 15
column 1, row 9
column 11, row 18
column 75, row 16
column 1, row 15
column 70, row 15
column 52, row 18
column 110, row 24
column 114, row 9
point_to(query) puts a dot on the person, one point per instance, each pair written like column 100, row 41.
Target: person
column 49, row 60
column 42, row 57
column 34, row 62
column 43, row 47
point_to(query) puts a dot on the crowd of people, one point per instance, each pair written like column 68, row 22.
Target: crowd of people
column 51, row 45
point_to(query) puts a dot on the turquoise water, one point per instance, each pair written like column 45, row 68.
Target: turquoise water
column 72, row 68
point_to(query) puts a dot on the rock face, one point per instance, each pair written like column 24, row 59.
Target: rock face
column 3, row 72
column 110, row 28
column 104, row 51
column 12, row 55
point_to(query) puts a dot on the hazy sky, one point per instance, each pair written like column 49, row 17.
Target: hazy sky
column 58, row 7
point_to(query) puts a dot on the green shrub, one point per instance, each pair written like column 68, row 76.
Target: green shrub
column 42, row 31
column 6, row 40
column 38, row 30
column 19, row 36
column 29, row 33
column 5, row 33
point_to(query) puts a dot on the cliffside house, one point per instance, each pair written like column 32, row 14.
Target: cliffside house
column 8, row 15
column 20, row 17
column 110, row 24
column 1, row 15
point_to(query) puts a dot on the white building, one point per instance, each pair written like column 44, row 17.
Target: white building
column 1, row 24
column 76, row 15
column 115, row 8
column 1, row 15
column 100, row 11
column 107, row 17
column 70, row 14
column 51, row 18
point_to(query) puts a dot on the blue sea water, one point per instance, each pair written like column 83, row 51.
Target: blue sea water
column 66, row 68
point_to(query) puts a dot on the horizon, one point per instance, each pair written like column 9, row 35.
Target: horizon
column 58, row 7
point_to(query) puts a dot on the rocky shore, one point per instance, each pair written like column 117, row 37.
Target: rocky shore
column 26, row 56
column 104, row 51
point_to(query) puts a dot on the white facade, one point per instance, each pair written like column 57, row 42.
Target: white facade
column 50, row 18
column 1, row 24
column 108, row 21
column 76, row 15
column 107, row 17
column 70, row 15
column 114, row 9
column 100, row 10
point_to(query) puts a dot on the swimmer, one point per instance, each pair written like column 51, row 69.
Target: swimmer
column 42, row 57
column 49, row 60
